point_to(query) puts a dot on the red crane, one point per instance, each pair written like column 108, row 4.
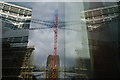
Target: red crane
column 55, row 47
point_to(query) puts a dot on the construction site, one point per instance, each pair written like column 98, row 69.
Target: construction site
column 34, row 48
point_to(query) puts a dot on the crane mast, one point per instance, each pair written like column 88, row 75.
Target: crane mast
column 55, row 46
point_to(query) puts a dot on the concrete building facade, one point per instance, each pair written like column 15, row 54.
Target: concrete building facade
column 17, row 63
column 102, row 24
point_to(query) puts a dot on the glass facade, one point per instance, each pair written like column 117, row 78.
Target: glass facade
column 87, row 43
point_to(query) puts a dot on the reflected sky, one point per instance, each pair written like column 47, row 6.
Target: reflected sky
column 68, row 40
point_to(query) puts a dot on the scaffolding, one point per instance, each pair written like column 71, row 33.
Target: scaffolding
column 27, row 66
column 17, row 67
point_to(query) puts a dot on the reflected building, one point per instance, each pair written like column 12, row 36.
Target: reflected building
column 103, row 29
column 17, row 63
column 49, row 66
column 83, row 67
